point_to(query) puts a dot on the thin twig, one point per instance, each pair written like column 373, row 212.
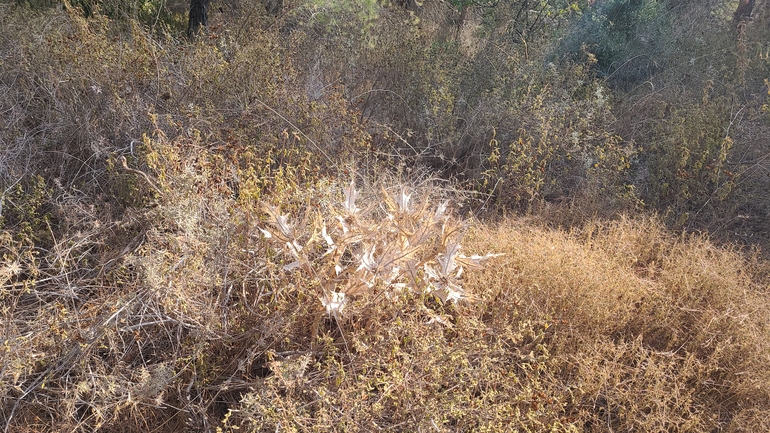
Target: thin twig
column 298, row 130
column 139, row 173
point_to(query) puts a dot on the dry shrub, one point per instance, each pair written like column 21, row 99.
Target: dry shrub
column 114, row 235
column 80, row 93
column 398, row 247
column 412, row 367
column 139, row 294
column 207, row 324
column 435, row 101
column 650, row 331
column 618, row 326
column 166, row 316
column 697, row 122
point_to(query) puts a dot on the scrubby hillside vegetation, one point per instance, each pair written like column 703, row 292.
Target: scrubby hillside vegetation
column 360, row 215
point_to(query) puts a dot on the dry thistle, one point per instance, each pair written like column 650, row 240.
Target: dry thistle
column 377, row 250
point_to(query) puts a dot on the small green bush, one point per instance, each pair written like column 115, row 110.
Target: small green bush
column 628, row 38
column 562, row 145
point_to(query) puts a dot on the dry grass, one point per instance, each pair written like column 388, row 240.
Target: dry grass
column 202, row 322
column 140, row 175
column 655, row 332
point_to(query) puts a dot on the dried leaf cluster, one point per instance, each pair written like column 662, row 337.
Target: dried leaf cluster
column 387, row 247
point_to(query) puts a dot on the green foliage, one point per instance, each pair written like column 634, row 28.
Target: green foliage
column 466, row 3
column 440, row 95
column 627, row 38
column 155, row 14
column 694, row 124
column 690, row 157
column 25, row 210
column 346, row 16
column 530, row 21
column 561, row 148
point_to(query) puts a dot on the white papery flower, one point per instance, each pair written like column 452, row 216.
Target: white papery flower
column 476, row 261
column 376, row 253
column 403, row 201
column 447, row 294
column 327, row 238
column 334, row 302
column 344, row 224
column 440, row 211
column 281, row 222
column 368, row 262
column 447, row 260
column 444, row 286
column 291, row 266
column 350, row 199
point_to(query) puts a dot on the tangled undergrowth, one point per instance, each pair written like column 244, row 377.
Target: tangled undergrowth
column 182, row 249
column 223, row 312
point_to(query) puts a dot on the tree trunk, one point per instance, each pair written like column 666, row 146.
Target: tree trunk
column 199, row 17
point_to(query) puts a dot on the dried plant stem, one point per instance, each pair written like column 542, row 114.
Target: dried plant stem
column 143, row 175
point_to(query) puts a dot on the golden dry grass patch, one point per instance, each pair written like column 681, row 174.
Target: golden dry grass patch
column 651, row 330
column 553, row 273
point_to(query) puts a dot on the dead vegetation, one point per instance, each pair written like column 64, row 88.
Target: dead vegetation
column 239, row 234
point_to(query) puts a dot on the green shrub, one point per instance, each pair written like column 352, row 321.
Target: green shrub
column 558, row 143
column 690, row 159
column 628, row 38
